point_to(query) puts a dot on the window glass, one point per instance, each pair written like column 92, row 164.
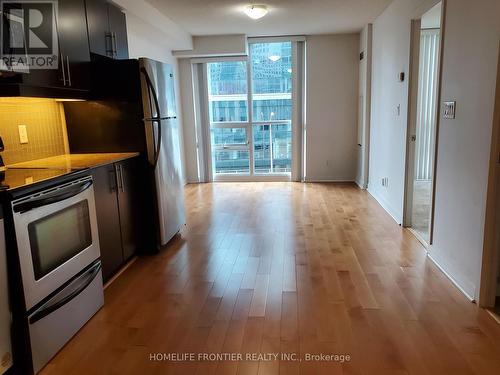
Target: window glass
column 230, row 161
column 271, row 81
column 227, row 91
column 272, row 148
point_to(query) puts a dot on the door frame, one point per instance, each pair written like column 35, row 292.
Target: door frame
column 411, row 121
column 491, row 246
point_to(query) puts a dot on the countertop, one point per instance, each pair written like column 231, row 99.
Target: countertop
column 75, row 161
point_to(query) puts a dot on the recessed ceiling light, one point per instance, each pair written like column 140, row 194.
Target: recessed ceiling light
column 256, row 11
column 274, row 58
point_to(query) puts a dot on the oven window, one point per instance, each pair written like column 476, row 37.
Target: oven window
column 58, row 237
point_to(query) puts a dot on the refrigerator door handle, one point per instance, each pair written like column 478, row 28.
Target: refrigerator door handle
column 157, row 119
column 158, row 143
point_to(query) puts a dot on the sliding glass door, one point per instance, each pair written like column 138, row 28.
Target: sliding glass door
column 252, row 141
column 229, row 118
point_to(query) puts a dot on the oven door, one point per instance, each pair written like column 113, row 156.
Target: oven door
column 56, row 232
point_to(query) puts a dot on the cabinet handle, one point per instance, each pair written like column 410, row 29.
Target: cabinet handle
column 121, row 179
column 114, row 44
column 63, row 70
column 69, row 71
column 112, row 181
column 108, row 41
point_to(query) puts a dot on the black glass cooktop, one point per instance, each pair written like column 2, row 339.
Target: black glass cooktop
column 14, row 178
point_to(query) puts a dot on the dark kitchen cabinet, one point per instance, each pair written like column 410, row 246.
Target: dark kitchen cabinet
column 74, row 44
column 98, row 26
column 107, row 29
column 118, row 29
column 108, row 219
column 121, row 212
column 73, row 58
column 129, row 197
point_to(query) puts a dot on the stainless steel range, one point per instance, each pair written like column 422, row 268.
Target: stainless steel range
column 58, row 254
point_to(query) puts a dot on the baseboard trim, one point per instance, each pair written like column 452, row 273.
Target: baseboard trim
column 451, row 278
column 385, row 205
column 328, row 180
column 361, row 185
column 418, row 237
column 495, row 317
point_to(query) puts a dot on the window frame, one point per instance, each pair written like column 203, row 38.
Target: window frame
column 250, row 123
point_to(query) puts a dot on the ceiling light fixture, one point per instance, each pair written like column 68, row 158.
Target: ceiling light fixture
column 274, row 58
column 256, row 11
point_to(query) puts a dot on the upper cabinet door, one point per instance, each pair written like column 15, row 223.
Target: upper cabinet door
column 107, row 29
column 98, row 27
column 74, row 43
column 118, row 29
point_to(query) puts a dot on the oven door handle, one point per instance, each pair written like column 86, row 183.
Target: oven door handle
column 76, row 287
column 53, row 198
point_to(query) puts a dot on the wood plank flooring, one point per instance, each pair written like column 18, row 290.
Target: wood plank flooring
column 286, row 268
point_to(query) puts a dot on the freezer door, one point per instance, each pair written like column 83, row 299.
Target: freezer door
column 170, row 92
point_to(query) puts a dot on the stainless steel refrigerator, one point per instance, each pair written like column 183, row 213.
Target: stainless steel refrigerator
column 162, row 131
column 134, row 109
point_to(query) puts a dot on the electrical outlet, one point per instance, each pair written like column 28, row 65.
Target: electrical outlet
column 23, row 134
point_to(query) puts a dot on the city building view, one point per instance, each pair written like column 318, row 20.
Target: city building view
column 267, row 127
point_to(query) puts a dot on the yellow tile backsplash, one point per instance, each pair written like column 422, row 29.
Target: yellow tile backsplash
column 45, row 124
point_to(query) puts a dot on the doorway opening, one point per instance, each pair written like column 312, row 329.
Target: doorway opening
column 424, row 108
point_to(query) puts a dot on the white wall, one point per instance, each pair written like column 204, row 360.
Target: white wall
column 332, row 71
column 145, row 41
column 390, row 56
column 165, row 31
column 472, row 32
column 216, row 45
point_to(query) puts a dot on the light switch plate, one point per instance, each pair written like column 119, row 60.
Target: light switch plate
column 23, row 134
column 449, row 110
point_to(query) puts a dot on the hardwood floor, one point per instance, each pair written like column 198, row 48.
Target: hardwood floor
column 290, row 268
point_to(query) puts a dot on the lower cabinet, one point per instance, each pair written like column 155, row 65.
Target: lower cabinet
column 119, row 195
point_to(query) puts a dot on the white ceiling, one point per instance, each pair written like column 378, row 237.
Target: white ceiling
column 285, row 17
